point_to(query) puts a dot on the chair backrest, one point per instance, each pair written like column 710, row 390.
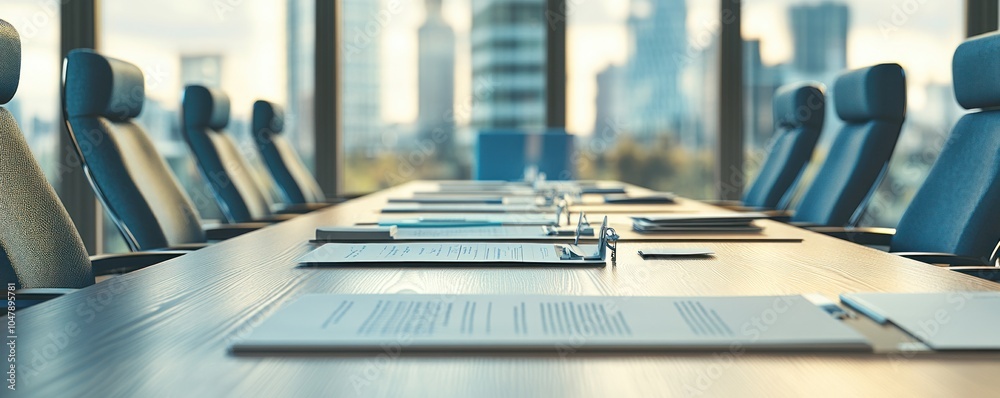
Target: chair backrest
column 294, row 180
column 872, row 103
column 39, row 245
column 799, row 111
column 205, row 113
column 555, row 157
column 501, row 155
column 103, row 96
column 957, row 209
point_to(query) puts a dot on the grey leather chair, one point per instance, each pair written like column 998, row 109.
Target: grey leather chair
column 103, row 96
column 297, row 185
column 872, row 103
column 41, row 252
column 799, row 112
column 205, row 115
column 954, row 217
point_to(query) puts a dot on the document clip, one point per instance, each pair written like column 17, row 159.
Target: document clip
column 607, row 239
column 583, row 228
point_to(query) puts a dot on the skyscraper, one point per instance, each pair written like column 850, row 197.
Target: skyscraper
column 820, row 35
column 361, row 113
column 658, row 54
column 508, row 63
column 436, row 81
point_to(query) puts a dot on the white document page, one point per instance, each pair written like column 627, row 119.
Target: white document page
column 459, row 218
column 464, row 208
column 943, row 321
column 557, row 324
column 478, row 233
column 454, row 254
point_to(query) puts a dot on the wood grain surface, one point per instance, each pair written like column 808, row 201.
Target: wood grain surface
column 165, row 331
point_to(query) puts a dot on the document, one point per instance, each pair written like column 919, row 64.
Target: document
column 480, row 233
column 464, row 208
column 452, row 254
column 943, row 321
column 555, row 324
column 723, row 222
column 465, row 219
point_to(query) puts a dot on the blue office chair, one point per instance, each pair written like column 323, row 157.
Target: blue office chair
column 954, row 217
column 872, row 103
column 501, row 155
column 799, row 111
column 41, row 252
column 297, row 185
column 102, row 98
column 205, row 115
column 556, row 155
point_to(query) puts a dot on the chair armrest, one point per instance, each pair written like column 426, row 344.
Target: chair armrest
column 184, row 246
column 41, row 293
column 943, row 258
column 107, row 264
column 299, row 208
column 220, row 232
column 870, row 236
column 276, row 218
column 985, row 272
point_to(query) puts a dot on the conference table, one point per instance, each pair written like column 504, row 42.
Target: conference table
column 166, row 330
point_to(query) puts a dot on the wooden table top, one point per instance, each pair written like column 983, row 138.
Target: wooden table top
column 165, row 330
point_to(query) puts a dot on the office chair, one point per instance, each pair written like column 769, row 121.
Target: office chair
column 205, row 115
column 41, row 252
column 298, row 187
column 953, row 218
column 556, row 155
column 102, row 97
column 501, row 155
column 799, row 111
column 872, row 103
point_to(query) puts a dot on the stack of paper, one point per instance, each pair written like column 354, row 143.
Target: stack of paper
column 943, row 321
column 719, row 223
column 555, row 324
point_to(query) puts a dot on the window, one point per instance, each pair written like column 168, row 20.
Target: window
column 420, row 78
column 251, row 50
column 36, row 104
column 788, row 41
column 642, row 92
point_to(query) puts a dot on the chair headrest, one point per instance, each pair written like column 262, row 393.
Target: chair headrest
column 10, row 61
column 268, row 118
column 205, row 107
column 799, row 105
column 873, row 93
column 975, row 72
column 102, row 86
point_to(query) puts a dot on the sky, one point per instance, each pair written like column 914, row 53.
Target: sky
column 154, row 34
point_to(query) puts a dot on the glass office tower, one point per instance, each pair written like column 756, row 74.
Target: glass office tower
column 508, row 63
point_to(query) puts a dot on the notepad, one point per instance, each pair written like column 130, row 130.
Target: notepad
column 457, row 254
column 356, row 234
column 943, row 321
column 552, row 324
column 464, row 208
column 723, row 222
column 652, row 199
column 467, row 219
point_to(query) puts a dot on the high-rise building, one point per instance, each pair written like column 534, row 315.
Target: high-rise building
column 820, row 35
column 759, row 84
column 609, row 101
column 436, row 81
column 508, row 63
column 299, row 115
column 658, row 54
column 361, row 113
column 205, row 70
